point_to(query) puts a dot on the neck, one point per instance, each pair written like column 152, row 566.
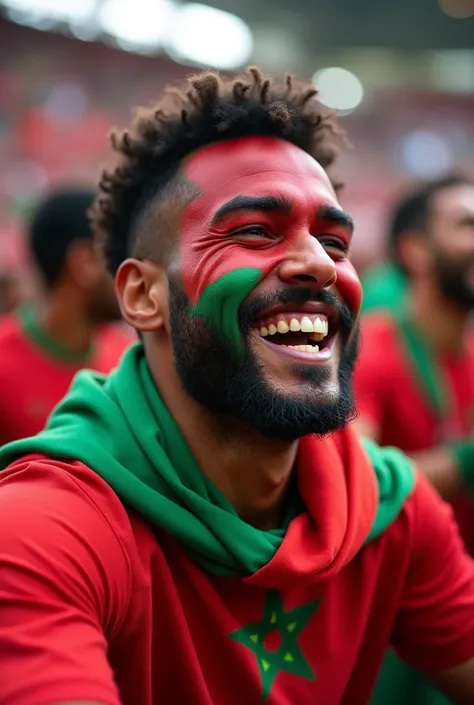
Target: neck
column 251, row 471
column 442, row 322
column 56, row 317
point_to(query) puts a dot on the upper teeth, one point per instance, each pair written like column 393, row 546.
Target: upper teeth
column 315, row 324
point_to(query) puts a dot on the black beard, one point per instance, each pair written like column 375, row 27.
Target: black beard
column 234, row 386
column 454, row 282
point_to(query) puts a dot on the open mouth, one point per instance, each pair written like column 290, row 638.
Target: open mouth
column 303, row 332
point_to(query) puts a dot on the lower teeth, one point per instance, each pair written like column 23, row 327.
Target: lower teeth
column 304, row 348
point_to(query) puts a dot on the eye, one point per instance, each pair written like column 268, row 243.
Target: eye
column 252, row 231
column 334, row 243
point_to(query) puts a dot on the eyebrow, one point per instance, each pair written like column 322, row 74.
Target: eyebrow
column 266, row 204
column 335, row 216
column 279, row 204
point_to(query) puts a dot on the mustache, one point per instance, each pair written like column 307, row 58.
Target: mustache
column 252, row 310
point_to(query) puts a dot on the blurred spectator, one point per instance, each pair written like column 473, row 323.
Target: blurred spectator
column 384, row 287
column 10, row 292
column 44, row 346
column 415, row 379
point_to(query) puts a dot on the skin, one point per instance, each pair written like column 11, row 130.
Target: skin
column 443, row 322
column 294, row 249
column 269, row 247
column 81, row 299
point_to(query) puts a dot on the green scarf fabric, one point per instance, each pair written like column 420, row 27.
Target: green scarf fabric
column 426, row 371
column 120, row 427
column 385, row 287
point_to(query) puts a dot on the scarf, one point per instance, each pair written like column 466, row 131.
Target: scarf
column 120, row 427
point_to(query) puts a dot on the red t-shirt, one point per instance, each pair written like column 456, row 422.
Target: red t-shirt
column 33, row 380
column 97, row 605
column 388, row 392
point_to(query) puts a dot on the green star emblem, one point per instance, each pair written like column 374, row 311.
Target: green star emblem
column 288, row 625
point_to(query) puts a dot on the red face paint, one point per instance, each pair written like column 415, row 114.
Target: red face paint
column 255, row 167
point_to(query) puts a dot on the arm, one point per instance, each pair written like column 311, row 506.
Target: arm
column 434, row 630
column 441, row 469
column 63, row 587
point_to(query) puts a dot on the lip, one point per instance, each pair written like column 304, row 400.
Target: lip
column 311, row 307
column 318, row 358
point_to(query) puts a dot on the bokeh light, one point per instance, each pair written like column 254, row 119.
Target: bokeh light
column 338, row 89
column 458, row 9
column 136, row 24
column 426, row 154
column 209, row 37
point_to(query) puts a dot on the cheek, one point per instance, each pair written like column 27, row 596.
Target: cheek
column 348, row 284
column 203, row 266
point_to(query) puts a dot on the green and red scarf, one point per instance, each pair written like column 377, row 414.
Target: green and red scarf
column 120, row 427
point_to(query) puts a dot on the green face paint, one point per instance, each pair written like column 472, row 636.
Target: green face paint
column 220, row 301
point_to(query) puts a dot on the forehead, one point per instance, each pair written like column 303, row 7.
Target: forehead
column 257, row 166
column 455, row 200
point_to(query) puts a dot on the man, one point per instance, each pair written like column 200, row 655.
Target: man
column 42, row 347
column 202, row 526
column 414, row 381
column 384, row 287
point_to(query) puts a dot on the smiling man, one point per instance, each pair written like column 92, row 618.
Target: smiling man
column 202, row 526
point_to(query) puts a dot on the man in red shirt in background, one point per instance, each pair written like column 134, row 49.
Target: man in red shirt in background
column 414, row 381
column 43, row 345
column 202, row 526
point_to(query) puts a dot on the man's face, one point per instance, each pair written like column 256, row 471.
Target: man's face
column 264, row 303
column 451, row 229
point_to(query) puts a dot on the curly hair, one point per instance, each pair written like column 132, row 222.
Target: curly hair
column 212, row 109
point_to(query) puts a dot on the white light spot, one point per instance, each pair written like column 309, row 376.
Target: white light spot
column 36, row 11
column 209, row 37
column 426, row 154
column 137, row 24
column 338, row 89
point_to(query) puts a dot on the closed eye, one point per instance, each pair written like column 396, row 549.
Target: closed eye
column 255, row 230
column 334, row 243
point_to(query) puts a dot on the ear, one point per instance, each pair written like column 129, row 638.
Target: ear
column 415, row 253
column 142, row 291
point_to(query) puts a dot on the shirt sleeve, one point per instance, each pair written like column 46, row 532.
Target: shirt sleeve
column 434, row 629
column 369, row 380
column 63, row 589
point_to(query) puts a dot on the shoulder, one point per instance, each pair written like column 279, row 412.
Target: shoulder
column 35, row 484
column 378, row 325
column 380, row 351
column 63, row 519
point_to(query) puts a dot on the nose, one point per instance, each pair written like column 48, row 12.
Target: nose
column 308, row 263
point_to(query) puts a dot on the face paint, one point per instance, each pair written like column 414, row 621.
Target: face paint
column 348, row 284
column 219, row 269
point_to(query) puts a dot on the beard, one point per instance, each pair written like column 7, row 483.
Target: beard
column 233, row 386
column 456, row 280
